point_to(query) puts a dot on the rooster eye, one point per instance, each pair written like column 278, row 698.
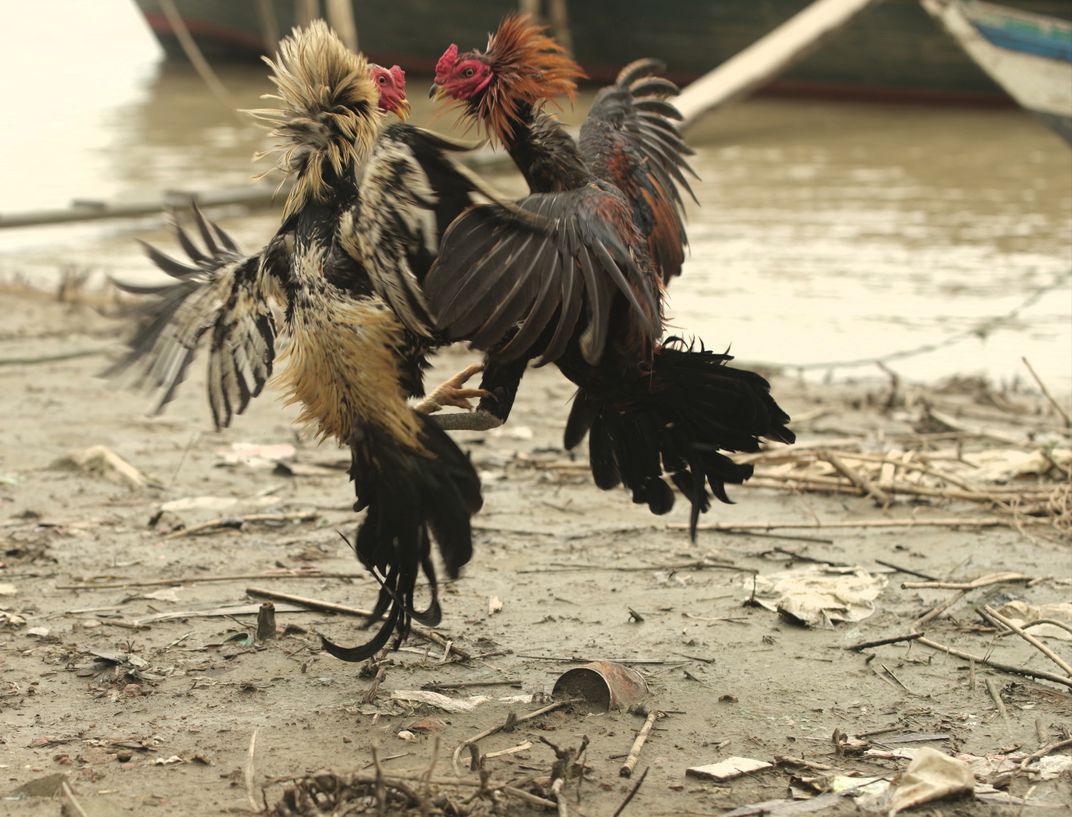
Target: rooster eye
column 468, row 72
column 383, row 80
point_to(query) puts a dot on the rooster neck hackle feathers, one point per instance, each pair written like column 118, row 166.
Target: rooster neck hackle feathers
column 329, row 117
column 529, row 68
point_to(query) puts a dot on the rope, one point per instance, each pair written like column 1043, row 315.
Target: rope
column 980, row 330
column 196, row 58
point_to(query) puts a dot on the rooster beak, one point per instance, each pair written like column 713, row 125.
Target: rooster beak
column 402, row 109
column 435, row 92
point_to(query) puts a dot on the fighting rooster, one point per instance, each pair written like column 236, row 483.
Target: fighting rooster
column 588, row 295
column 349, row 362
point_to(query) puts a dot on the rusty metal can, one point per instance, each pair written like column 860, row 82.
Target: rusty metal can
column 602, row 685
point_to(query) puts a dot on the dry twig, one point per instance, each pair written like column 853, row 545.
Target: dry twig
column 72, row 801
column 1046, row 393
column 995, row 696
column 878, row 642
column 995, row 616
column 631, row 759
column 937, row 522
column 508, row 723
column 857, row 478
column 632, row 792
column 1032, row 673
column 239, row 522
column 974, row 584
column 300, row 573
column 250, row 772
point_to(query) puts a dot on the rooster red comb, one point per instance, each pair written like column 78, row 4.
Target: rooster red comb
column 528, row 67
column 399, row 75
column 446, row 62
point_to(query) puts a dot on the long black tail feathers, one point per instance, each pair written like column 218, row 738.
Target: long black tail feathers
column 413, row 498
column 670, row 428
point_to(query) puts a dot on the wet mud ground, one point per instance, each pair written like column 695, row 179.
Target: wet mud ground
column 158, row 719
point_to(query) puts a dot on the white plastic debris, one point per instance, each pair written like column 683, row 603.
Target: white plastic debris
column 8, row 589
column 820, row 596
column 728, row 769
column 99, row 461
column 436, row 699
column 448, row 704
column 932, row 775
column 869, row 793
column 256, row 456
column 196, row 503
column 164, row 594
column 509, row 432
column 1053, row 766
column 1021, row 613
column 495, row 605
column 1005, row 464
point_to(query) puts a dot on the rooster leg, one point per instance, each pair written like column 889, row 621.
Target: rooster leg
column 478, row 420
column 453, row 393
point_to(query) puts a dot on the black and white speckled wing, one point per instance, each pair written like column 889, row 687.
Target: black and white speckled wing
column 409, row 194
column 218, row 292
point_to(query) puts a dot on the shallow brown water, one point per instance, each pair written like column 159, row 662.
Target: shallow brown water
column 826, row 232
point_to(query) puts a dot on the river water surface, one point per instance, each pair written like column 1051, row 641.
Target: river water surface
column 826, row 233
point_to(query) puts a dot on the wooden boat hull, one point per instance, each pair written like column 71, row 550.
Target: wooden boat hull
column 892, row 51
column 1029, row 55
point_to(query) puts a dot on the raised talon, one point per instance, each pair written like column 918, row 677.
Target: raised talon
column 451, row 393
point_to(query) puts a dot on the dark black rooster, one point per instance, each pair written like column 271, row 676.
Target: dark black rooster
column 654, row 412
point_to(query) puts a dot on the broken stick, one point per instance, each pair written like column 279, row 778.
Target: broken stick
column 995, row 616
column 878, row 642
column 642, row 736
column 1032, row 673
column 508, row 723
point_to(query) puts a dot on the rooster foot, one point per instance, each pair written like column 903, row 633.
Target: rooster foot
column 453, row 393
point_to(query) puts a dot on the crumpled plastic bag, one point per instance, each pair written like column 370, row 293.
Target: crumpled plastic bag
column 931, row 775
column 1021, row 613
column 820, row 596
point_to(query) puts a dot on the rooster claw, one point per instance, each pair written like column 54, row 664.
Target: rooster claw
column 453, row 393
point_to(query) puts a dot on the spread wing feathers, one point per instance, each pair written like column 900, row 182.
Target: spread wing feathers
column 631, row 140
column 219, row 292
column 410, row 192
column 536, row 270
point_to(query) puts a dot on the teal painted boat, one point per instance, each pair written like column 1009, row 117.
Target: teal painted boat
column 893, row 50
column 1029, row 55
